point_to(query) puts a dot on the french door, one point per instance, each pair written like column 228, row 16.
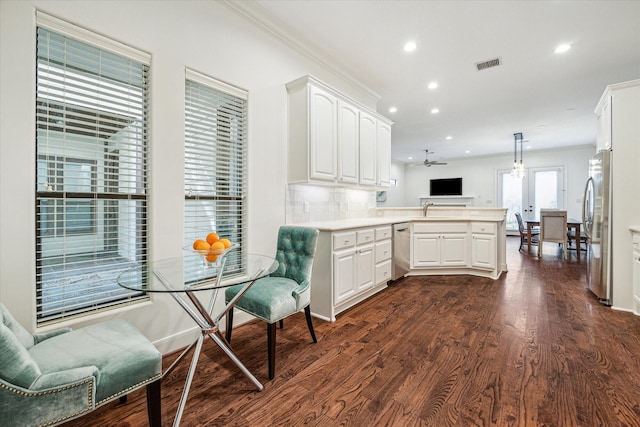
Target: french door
column 541, row 188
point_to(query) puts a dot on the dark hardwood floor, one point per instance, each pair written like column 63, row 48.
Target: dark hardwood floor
column 533, row 348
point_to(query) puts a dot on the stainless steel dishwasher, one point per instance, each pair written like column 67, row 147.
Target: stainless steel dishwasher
column 401, row 242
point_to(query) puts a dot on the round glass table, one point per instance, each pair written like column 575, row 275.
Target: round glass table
column 183, row 278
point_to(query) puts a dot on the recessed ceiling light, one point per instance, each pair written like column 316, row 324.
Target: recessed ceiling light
column 433, row 85
column 410, row 158
column 562, row 48
column 467, row 152
column 449, row 137
column 435, row 110
column 410, row 47
column 393, row 109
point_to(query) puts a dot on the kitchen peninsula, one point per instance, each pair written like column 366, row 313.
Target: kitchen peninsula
column 354, row 256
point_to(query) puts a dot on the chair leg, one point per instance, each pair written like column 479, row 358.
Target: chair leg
column 229, row 317
column 307, row 314
column 271, row 349
column 154, row 403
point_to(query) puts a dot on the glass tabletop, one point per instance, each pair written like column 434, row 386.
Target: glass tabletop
column 193, row 273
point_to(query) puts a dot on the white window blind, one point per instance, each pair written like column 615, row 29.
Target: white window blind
column 91, row 174
column 215, row 159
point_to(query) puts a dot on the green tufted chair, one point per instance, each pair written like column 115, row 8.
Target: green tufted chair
column 50, row 378
column 283, row 293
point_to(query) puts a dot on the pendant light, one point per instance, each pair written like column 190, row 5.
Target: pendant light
column 518, row 167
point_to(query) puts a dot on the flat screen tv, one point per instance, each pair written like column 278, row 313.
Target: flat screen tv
column 445, row 187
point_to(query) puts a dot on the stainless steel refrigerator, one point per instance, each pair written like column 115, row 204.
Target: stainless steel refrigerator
column 596, row 219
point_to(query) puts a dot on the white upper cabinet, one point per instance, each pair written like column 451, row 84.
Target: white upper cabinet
column 323, row 141
column 368, row 147
column 383, row 157
column 335, row 140
column 313, row 137
column 348, row 155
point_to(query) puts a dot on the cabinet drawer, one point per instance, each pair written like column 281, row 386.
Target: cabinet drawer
column 440, row 227
column 383, row 233
column 365, row 236
column 383, row 251
column 484, row 227
column 344, row 240
column 383, row 272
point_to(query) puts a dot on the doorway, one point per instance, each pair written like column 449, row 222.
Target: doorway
column 541, row 188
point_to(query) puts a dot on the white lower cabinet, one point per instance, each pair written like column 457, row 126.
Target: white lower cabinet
column 384, row 251
column 349, row 267
column 352, row 272
column 439, row 245
column 455, row 247
column 484, row 246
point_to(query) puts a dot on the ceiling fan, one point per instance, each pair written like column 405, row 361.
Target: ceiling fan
column 428, row 163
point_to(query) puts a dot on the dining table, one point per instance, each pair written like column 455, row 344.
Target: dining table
column 187, row 279
column 572, row 224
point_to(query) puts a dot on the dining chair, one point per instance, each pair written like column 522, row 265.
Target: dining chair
column 571, row 236
column 553, row 228
column 285, row 292
column 49, row 378
column 535, row 232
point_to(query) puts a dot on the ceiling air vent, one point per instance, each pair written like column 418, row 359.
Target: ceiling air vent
column 488, row 64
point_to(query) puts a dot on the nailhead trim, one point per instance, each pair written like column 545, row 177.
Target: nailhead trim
column 91, row 406
column 44, row 393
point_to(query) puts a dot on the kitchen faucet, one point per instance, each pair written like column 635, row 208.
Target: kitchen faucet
column 425, row 208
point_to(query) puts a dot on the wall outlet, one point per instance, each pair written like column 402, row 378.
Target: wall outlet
column 305, row 207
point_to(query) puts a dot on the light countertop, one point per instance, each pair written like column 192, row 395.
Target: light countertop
column 344, row 224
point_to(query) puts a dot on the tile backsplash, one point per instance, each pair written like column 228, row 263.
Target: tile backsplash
column 325, row 203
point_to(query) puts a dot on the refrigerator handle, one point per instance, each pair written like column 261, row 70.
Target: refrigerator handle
column 587, row 217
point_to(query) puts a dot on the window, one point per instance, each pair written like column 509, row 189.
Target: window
column 74, row 175
column 215, row 159
column 91, row 177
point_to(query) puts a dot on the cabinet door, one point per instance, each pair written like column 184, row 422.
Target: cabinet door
column 344, row 280
column 323, row 135
column 483, row 251
column 383, row 157
column 347, row 143
column 364, row 267
column 383, row 272
column 426, row 250
column 367, row 149
column 453, row 250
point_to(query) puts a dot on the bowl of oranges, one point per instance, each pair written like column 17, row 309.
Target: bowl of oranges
column 211, row 247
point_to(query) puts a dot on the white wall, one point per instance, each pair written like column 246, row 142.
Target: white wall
column 479, row 176
column 204, row 36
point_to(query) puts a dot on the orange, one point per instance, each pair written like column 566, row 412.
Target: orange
column 197, row 242
column 212, row 257
column 217, row 246
column 203, row 246
column 226, row 243
column 212, row 238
